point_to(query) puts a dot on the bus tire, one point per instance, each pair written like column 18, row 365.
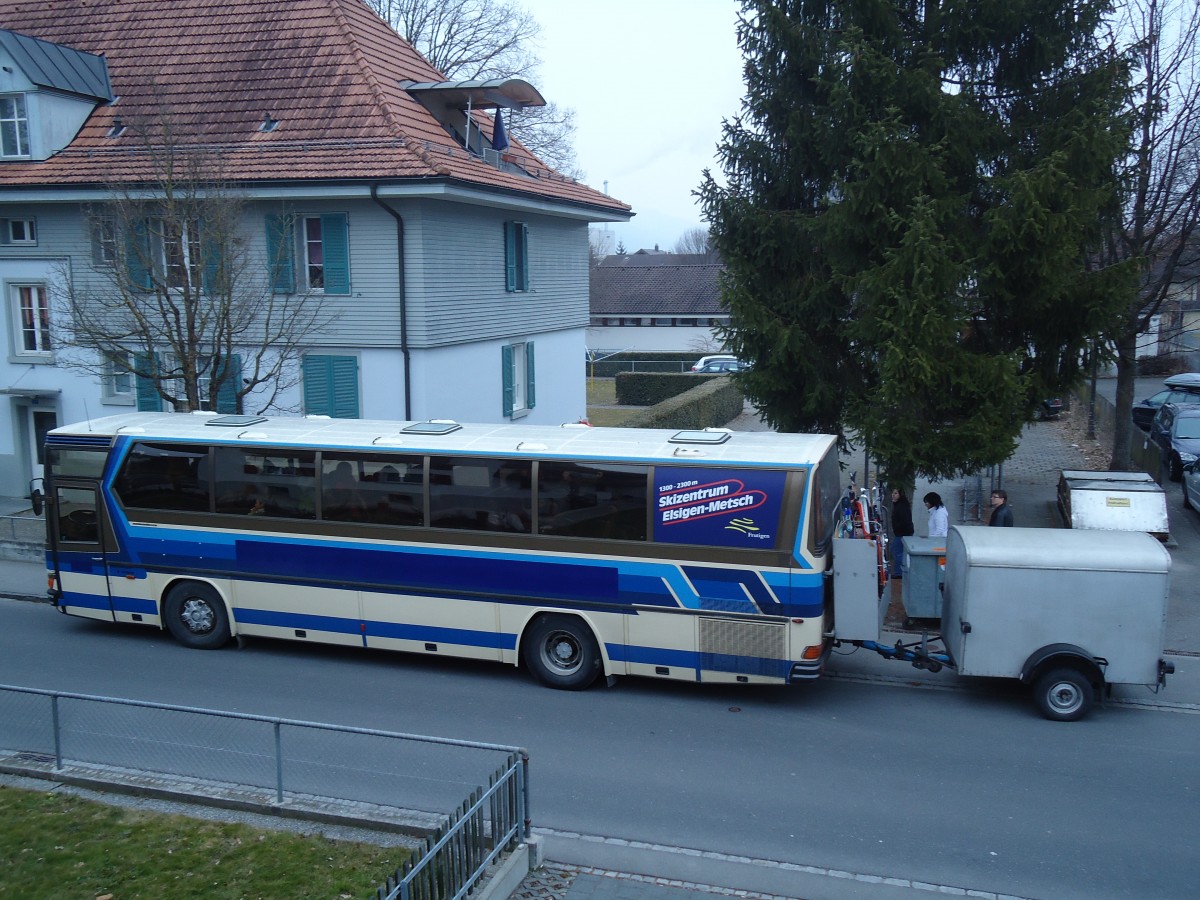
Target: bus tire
column 561, row 652
column 195, row 616
column 1064, row 695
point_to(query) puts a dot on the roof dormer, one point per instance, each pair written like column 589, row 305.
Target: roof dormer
column 47, row 92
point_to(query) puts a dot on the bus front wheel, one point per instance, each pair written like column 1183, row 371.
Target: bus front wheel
column 561, row 653
column 196, row 616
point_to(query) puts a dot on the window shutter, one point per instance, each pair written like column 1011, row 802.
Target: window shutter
column 336, row 246
column 148, row 399
column 331, row 386
column 5, row 232
column 227, row 393
column 506, row 375
column 529, row 395
column 137, row 255
column 281, row 254
column 211, row 281
column 510, row 256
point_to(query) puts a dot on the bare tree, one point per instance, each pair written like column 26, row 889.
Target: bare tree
column 1157, row 235
column 473, row 39
column 694, row 241
column 176, row 296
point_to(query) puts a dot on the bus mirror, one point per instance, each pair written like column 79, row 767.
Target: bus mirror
column 35, row 499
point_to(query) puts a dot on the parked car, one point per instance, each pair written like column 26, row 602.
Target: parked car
column 722, row 367
column 1191, row 486
column 708, row 360
column 1180, row 389
column 1176, row 430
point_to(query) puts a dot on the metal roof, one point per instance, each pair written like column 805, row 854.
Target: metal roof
column 57, row 66
column 511, row 93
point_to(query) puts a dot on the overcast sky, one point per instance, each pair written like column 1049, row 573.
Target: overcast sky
column 650, row 82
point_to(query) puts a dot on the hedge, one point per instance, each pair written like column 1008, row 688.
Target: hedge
column 716, row 401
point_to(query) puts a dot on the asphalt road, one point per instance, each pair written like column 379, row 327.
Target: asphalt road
column 963, row 788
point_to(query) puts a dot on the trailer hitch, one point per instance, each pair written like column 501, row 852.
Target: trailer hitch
column 918, row 653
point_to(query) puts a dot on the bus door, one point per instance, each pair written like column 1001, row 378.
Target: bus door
column 80, row 542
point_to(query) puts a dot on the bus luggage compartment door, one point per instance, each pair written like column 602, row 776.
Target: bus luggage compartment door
column 78, row 532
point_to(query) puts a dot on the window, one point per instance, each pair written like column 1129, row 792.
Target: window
column 14, row 126
column 516, row 256
column 517, row 372
column 31, row 310
column 18, row 231
column 104, row 241
column 180, row 261
column 276, row 483
column 117, row 382
column 593, row 501
column 321, row 243
column 165, row 477
column 481, row 494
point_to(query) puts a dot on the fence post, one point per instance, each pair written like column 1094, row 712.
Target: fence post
column 57, row 735
column 528, row 821
column 278, row 764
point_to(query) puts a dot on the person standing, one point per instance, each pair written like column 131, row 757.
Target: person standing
column 939, row 517
column 1001, row 512
column 902, row 527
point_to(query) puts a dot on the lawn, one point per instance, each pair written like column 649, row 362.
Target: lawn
column 62, row 847
column 601, row 402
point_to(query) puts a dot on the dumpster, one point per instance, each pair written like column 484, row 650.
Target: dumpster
column 924, row 562
column 1113, row 501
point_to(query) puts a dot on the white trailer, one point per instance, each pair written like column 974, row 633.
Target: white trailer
column 1069, row 613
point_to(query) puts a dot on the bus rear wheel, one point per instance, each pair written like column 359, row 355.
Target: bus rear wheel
column 561, row 653
column 196, row 616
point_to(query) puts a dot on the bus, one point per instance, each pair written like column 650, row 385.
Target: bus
column 576, row 552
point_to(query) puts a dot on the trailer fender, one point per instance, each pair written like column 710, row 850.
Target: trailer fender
column 1064, row 654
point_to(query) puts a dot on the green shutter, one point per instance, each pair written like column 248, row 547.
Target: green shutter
column 336, row 247
column 228, row 401
column 148, row 399
column 529, row 395
column 210, row 272
column 510, row 256
column 331, row 386
column 137, row 255
column 506, row 377
column 281, row 253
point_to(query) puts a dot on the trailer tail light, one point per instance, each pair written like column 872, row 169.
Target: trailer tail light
column 813, row 652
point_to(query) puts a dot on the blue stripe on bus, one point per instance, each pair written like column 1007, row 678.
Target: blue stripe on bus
column 85, row 601
column 301, row 621
column 462, row 636
column 134, row 605
column 692, row 659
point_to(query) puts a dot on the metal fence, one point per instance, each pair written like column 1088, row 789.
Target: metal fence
column 288, row 762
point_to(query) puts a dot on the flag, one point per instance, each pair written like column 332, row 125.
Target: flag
column 499, row 138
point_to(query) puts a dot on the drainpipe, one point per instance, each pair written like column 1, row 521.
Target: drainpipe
column 403, row 301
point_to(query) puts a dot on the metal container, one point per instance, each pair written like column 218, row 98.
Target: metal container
column 924, row 562
column 1113, row 501
column 1012, row 593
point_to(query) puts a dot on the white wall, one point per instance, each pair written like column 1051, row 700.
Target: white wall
column 698, row 339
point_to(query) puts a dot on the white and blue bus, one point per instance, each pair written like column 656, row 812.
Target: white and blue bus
column 574, row 551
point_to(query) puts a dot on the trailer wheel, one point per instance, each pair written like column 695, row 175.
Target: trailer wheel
column 195, row 616
column 561, row 652
column 1064, row 695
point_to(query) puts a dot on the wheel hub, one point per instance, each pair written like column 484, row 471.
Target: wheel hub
column 197, row 616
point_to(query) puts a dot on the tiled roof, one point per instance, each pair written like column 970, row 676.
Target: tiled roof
column 659, row 258
column 327, row 70
column 656, row 290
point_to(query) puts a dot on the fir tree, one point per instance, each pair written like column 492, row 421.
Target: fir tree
column 913, row 188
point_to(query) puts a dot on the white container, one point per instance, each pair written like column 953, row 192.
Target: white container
column 1113, row 501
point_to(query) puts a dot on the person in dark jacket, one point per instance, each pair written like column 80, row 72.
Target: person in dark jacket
column 902, row 527
column 1001, row 512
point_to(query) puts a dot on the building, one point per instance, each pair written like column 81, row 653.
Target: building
column 655, row 302
column 453, row 269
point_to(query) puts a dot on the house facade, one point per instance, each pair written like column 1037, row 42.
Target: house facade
column 450, row 270
column 656, row 302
